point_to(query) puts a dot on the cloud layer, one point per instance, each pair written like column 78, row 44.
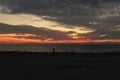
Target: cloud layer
column 100, row 17
column 41, row 33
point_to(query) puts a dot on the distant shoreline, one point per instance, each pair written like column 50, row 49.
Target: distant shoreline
column 27, row 52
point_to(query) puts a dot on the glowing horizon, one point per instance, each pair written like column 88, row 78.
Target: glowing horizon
column 13, row 40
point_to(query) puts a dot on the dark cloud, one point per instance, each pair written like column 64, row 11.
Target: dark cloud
column 103, row 34
column 71, row 12
column 42, row 33
column 101, row 15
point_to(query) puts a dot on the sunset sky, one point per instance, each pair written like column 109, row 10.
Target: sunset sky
column 59, row 21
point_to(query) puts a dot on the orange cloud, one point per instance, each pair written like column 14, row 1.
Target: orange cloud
column 8, row 40
column 13, row 40
column 107, row 40
column 22, row 38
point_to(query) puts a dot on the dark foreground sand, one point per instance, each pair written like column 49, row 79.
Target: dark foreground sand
column 59, row 66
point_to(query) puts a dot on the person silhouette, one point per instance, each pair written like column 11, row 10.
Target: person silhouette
column 53, row 53
column 53, row 50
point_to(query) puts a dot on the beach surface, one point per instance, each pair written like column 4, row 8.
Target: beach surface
column 59, row 66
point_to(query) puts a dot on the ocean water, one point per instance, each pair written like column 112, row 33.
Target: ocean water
column 61, row 47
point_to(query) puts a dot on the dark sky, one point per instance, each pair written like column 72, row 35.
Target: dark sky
column 61, row 19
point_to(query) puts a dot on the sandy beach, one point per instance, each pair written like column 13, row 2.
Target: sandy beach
column 59, row 66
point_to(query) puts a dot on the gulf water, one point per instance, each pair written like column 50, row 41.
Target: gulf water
column 61, row 47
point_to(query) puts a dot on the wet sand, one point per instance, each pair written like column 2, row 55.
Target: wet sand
column 59, row 66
